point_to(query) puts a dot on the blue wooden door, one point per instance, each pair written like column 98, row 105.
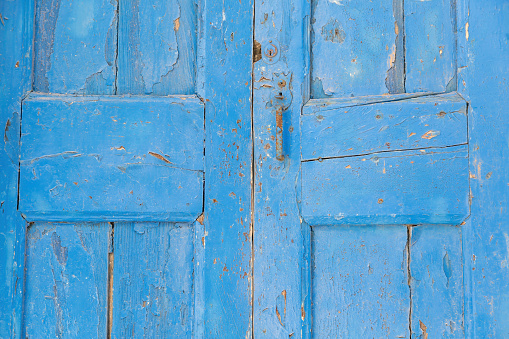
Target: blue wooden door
column 363, row 136
column 130, row 129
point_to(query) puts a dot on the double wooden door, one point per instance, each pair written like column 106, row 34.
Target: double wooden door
column 267, row 169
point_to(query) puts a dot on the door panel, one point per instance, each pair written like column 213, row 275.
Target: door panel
column 359, row 283
column 110, row 158
column 66, row 274
column 157, row 47
column 75, row 46
column 153, row 284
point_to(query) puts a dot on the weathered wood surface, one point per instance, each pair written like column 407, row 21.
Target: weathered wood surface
column 483, row 81
column 278, row 251
column 16, row 38
column 357, row 48
column 75, row 46
column 66, row 280
column 157, row 44
column 152, row 280
column 107, row 158
column 436, row 282
column 225, row 56
column 430, row 45
column 430, row 121
column 360, row 282
column 408, row 187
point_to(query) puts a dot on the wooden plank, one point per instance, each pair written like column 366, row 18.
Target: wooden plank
column 436, row 282
column 66, row 280
column 430, row 45
column 16, row 39
column 410, row 187
column 143, row 149
column 357, row 48
column 278, row 237
column 483, row 80
column 75, row 46
column 430, row 121
column 152, row 280
column 360, row 282
column 225, row 60
column 157, row 47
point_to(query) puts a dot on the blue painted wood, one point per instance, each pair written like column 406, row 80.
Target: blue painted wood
column 16, row 38
column 105, row 158
column 483, row 80
column 66, row 274
column 152, row 280
column 278, row 237
column 408, row 187
column 430, row 45
column 225, row 56
column 430, row 121
column 75, row 46
column 157, row 47
column 436, row 282
column 357, row 48
column 360, row 282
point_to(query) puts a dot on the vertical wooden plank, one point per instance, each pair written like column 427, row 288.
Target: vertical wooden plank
column 75, row 46
column 157, row 47
column 66, row 280
column 16, row 37
column 278, row 237
column 152, row 280
column 357, row 48
column 483, row 81
column 225, row 57
column 360, row 282
column 430, row 44
column 278, row 240
column 436, row 282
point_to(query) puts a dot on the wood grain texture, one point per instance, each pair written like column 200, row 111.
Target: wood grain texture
column 107, row 158
column 436, row 282
column 483, row 80
column 357, row 48
column 66, row 280
column 225, row 56
column 360, row 282
column 430, row 45
column 410, row 187
column 153, row 280
column 16, row 39
column 75, row 46
column 430, row 121
column 157, row 44
column 278, row 237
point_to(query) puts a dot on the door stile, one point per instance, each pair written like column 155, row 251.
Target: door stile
column 281, row 81
column 16, row 62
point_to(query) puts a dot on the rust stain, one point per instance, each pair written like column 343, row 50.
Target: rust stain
column 302, row 313
column 411, row 134
column 200, row 219
column 423, row 329
column 380, row 201
column 160, row 157
column 430, row 135
column 121, row 148
column 279, row 317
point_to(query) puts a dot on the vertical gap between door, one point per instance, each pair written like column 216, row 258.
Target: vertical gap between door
column 409, row 276
column 251, row 224
column 111, row 257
